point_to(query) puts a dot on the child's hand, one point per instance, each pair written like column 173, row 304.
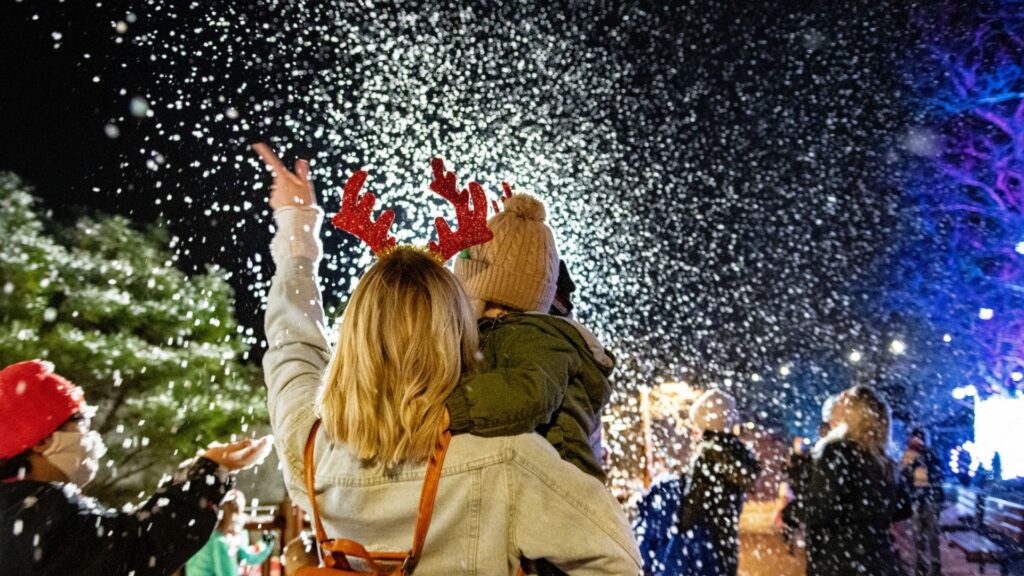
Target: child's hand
column 290, row 188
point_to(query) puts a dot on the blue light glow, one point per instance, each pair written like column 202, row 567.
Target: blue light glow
column 962, row 392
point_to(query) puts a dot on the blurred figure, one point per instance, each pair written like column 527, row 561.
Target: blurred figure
column 302, row 551
column 922, row 472
column 855, row 493
column 662, row 547
column 48, row 452
column 796, row 471
column 228, row 553
column 689, row 525
column 721, row 470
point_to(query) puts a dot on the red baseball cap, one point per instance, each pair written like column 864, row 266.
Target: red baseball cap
column 34, row 402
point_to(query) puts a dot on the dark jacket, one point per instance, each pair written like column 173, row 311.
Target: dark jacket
column 540, row 373
column 849, row 506
column 721, row 471
column 51, row 529
column 924, row 459
column 798, row 473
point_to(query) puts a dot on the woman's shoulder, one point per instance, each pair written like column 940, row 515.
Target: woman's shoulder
column 839, row 447
column 523, row 453
column 495, row 450
column 471, row 452
column 845, row 455
column 466, row 453
column 48, row 500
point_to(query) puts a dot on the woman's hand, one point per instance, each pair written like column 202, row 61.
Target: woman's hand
column 290, row 188
column 239, row 455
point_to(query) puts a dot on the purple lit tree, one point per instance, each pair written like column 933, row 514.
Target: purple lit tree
column 966, row 272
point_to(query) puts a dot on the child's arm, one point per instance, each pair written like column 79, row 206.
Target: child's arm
column 522, row 392
column 253, row 555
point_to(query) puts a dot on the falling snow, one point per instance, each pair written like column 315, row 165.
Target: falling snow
column 722, row 182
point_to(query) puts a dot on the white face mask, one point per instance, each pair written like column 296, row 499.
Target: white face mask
column 76, row 454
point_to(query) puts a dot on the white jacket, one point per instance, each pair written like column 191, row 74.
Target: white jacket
column 499, row 499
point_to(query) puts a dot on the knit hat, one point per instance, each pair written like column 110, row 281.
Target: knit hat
column 519, row 267
column 714, row 410
column 34, row 402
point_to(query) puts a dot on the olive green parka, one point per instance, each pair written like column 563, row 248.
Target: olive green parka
column 538, row 373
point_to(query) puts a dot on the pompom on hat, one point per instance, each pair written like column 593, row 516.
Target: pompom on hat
column 714, row 410
column 34, row 403
column 519, row 267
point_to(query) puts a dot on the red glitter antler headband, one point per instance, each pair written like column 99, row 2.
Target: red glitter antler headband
column 356, row 216
column 471, row 218
column 504, row 197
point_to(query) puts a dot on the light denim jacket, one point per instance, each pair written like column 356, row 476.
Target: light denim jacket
column 499, row 499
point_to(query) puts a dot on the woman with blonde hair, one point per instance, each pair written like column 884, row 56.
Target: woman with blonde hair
column 406, row 336
column 855, row 492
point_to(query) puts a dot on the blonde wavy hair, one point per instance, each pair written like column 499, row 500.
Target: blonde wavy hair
column 868, row 419
column 406, row 337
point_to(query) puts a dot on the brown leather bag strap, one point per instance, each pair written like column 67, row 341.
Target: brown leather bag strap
column 309, row 471
column 427, row 496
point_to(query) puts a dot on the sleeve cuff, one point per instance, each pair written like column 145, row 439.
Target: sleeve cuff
column 297, row 235
column 458, row 409
column 214, row 477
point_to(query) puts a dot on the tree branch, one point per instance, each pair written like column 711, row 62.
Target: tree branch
column 995, row 119
column 110, row 419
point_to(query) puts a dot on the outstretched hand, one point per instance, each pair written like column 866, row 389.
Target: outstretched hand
column 290, row 188
column 239, row 455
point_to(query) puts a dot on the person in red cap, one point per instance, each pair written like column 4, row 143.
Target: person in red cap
column 48, row 452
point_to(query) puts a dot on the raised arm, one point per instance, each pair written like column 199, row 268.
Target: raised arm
column 162, row 533
column 252, row 555
column 297, row 347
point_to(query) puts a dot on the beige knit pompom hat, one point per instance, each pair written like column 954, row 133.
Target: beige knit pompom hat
column 519, row 267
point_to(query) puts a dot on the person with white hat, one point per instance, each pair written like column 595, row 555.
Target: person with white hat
column 48, row 452
column 721, row 470
column 688, row 524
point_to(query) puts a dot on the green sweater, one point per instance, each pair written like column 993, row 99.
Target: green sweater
column 539, row 373
column 215, row 559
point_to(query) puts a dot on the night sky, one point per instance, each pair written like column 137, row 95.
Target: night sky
column 723, row 177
